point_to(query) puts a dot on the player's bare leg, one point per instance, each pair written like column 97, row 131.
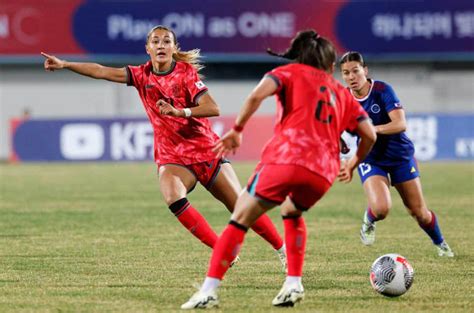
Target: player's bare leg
column 412, row 196
column 377, row 190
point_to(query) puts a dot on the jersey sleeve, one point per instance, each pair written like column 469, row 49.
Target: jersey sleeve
column 194, row 85
column 278, row 76
column 134, row 75
column 390, row 99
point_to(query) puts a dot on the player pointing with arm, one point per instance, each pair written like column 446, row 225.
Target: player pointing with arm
column 298, row 164
column 177, row 104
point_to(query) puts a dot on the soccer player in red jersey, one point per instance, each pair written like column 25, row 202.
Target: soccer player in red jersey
column 177, row 104
column 298, row 164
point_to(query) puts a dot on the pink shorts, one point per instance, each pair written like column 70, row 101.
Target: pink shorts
column 273, row 183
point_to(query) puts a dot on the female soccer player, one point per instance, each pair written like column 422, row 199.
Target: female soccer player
column 177, row 104
column 298, row 164
column 391, row 161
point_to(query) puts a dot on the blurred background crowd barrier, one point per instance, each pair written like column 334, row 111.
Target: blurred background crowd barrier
column 424, row 49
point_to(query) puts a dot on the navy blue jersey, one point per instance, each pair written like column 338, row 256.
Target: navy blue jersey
column 388, row 149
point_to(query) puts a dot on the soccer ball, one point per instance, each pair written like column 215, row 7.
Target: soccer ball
column 391, row 275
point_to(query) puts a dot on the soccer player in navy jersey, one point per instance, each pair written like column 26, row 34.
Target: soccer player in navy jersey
column 391, row 160
column 298, row 164
column 178, row 103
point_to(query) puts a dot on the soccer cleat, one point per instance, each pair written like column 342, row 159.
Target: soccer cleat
column 282, row 256
column 202, row 300
column 289, row 295
column 235, row 261
column 445, row 250
column 367, row 232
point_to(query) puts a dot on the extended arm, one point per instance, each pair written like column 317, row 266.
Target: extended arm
column 233, row 138
column 264, row 89
column 94, row 70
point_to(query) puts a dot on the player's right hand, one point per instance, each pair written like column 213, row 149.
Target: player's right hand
column 228, row 143
column 52, row 63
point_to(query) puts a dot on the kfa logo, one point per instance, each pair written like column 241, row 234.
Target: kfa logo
column 131, row 141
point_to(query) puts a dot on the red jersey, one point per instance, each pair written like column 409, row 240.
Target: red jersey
column 177, row 140
column 313, row 110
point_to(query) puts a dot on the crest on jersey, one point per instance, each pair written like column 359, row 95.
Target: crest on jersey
column 375, row 108
column 199, row 84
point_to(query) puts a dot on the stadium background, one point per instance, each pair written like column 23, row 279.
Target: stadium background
column 97, row 236
column 424, row 49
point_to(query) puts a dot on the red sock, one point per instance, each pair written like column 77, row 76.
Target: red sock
column 226, row 249
column 194, row 221
column 267, row 230
column 295, row 240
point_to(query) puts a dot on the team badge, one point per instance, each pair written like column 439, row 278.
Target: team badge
column 375, row 108
column 199, row 84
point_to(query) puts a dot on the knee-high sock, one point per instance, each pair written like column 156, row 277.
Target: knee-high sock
column 267, row 230
column 432, row 229
column 226, row 249
column 295, row 241
column 190, row 218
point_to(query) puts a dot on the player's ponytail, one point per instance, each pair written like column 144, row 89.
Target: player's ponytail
column 191, row 56
column 308, row 47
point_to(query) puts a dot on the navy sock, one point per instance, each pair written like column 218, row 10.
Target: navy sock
column 432, row 229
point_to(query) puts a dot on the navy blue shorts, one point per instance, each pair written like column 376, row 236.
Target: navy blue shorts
column 396, row 174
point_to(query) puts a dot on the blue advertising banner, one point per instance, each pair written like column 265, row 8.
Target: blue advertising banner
column 393, row 27
column 436, row 137
column 228, row 30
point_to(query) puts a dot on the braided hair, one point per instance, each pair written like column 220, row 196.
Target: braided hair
column 309, row 48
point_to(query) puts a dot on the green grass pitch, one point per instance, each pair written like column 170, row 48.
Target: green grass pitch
column 98, row 238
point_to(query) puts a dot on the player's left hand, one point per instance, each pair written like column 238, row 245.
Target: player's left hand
column 228, row 143
column 167, row 109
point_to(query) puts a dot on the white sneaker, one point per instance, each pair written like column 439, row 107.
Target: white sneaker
column 445, row 250
column 289, row 295
column 282, row 256
column 367, row 232
column 201, row 300
column 235, row 261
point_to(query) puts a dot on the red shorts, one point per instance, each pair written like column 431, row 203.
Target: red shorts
column 273, row 183
column 205, row 172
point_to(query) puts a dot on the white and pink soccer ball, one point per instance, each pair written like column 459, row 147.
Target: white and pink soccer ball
column 391, row 275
